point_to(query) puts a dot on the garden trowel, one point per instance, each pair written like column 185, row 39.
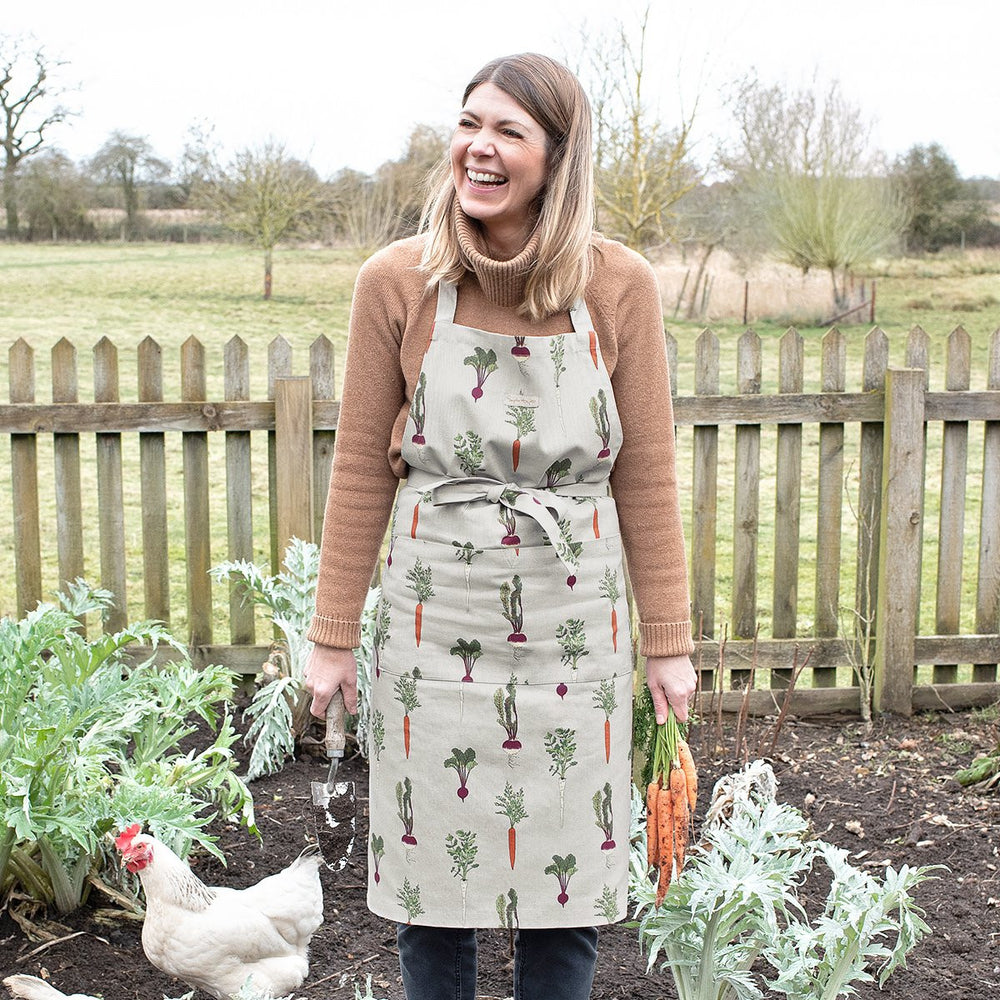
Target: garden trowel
column 335, row 801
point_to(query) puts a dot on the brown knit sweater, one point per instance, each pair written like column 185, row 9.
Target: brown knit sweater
column 391, row 317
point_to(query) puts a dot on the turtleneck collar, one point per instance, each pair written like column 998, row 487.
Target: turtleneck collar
column 503, row 281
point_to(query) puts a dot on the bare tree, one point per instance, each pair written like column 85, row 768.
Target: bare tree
column 265, row 196
column 54, row 197
column 642, row 167
column 128, row 162
column 809, row 179
column 26, row 104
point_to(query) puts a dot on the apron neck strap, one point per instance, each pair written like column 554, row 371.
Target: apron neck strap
column 446, row 303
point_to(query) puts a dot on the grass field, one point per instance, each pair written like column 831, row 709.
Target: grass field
column 213, row 292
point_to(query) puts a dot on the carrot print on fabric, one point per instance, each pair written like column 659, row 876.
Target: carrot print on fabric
column 418, row 412
column 523, row 419
column 419, row 577
column 605, row 701
column 609, row 589
column 406, row 694
column 593, row 347
column 599, row 411
column 424, row 498
column 485, row 363
column 510, row 803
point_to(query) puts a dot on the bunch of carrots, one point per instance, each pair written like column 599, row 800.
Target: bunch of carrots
column 671, row 797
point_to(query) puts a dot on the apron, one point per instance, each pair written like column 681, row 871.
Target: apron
column 501, row 699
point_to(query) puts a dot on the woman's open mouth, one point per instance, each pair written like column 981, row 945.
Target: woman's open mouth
column 483, row 178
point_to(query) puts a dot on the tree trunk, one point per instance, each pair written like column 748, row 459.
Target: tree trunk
column 267, row 272
column 10, row 203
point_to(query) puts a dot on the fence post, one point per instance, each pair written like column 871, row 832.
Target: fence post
column 900, row 537
column 294, row 458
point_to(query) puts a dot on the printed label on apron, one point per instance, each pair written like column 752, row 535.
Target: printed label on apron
column 520, row 399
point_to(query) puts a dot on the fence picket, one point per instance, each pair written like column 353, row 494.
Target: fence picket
column 279, row 365
column 66, row 466
column 988, row 578
column 239, row 490
column 787, row 503
column 24, row 477
column 322, row 368
column 746, row 505
column 704, row 492
column 830, row 504
column 197, row 543
column 110, row 491
column 951, row 524
column 153, row 477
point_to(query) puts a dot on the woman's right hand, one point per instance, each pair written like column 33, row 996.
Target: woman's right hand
column 328, row 669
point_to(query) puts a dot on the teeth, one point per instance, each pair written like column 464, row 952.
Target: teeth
column 482, row 178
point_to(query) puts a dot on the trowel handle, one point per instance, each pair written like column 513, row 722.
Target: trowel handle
column 336, row 739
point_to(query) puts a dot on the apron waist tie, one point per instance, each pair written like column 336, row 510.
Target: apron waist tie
column 546, row 505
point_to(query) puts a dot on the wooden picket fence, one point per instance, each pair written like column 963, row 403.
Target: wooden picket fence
column 877, row 636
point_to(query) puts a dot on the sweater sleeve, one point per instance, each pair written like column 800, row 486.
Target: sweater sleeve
column 644, row 479
column 362, row 483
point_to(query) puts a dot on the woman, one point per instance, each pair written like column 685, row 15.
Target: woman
column 509, row 364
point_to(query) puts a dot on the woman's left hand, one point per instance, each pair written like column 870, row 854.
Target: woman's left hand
column 671, row 680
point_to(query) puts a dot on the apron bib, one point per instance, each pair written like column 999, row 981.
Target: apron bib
column 501, row 704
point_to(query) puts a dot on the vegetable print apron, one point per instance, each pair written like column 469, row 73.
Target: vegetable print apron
column 502, row 690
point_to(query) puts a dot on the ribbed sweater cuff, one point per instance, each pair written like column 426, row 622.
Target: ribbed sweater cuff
column 665, row 639
column 331, row 632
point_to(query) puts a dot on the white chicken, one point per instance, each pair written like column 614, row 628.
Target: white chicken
column 220, row 939
column 33, row 988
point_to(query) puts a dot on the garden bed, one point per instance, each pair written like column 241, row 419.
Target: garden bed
column 888, row 798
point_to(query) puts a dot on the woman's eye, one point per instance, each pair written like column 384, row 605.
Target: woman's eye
column 511, row 133
column 466, row 123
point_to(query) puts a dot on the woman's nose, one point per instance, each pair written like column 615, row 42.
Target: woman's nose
column 481, row 145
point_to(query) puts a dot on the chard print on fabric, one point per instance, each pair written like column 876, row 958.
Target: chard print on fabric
column 463, row 761
column 377, row 735
column 606, row 905
column 510, row 803
column 469, row 650
column 609, row 589
column 383, row 620
column 418, row 411
column 466, row 552
column 406, row 694
column 560, row 745
column 563, row 869
column 605, row 701
column 409, row 899
column 507, row 909
column 505, row 701
column 510, row 603
column 462, row 849
column 378, row 850
column 568, row 549
column 559, row 469
column 599, row 411
column 485, row 364
column 573, row 640
column 469, row 452
column 605, row 818
column 404, row 810
column 419, row 581
column 523, row 419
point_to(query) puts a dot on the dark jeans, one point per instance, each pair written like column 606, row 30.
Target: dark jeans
column 439, row 963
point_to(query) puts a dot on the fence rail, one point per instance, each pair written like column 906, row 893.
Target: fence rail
column 886, row 421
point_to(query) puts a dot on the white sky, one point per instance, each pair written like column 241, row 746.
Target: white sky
column 342, row 84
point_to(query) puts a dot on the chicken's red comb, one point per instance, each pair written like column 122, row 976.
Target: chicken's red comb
column 124, row 839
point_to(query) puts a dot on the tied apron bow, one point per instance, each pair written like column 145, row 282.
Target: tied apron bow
column 546, row 505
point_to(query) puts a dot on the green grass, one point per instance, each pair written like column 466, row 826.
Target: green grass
column 171, row 292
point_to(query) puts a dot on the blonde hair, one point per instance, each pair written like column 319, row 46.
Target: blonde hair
column 552, row 95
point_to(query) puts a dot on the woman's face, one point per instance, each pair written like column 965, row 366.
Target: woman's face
column 499, row 160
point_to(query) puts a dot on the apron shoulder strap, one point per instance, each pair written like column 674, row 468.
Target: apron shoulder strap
column 446, row 302
column 580, row 317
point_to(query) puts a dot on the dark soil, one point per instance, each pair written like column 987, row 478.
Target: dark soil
column 896, row 784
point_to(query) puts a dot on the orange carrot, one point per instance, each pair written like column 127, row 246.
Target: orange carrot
column 416, row 517
column 515, row 452
column 652, row 826
column 614, row 629
column 665, row 832
column 406, row 735
column 679, row 806
column 690, row 773
column 597, row 531
column 593, row 347
column 607, row 741
column 511, row 844
column 418, row 615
